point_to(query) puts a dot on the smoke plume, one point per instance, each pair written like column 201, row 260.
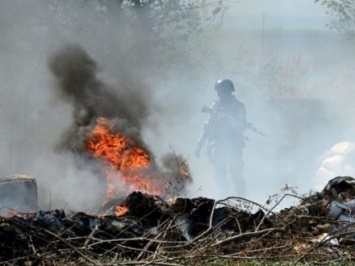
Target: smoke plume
column 76, row 82
column 66, row 63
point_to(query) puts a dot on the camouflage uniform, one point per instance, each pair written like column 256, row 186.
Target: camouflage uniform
column 224, row 134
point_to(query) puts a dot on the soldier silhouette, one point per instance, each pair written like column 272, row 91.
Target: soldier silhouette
column 223, row 134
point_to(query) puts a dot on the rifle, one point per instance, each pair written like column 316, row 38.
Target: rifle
column 249, row 126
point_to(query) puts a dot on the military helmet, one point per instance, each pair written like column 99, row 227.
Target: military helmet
column 224, row 85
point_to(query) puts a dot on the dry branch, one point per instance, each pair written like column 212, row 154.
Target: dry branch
column 184, row 232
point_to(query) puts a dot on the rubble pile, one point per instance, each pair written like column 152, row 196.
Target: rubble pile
column 183, row 231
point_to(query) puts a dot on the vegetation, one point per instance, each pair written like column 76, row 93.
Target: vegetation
column 197, row 231
column 343, row 13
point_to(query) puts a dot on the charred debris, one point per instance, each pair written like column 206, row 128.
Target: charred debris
column 143, row 228
column 184, row 231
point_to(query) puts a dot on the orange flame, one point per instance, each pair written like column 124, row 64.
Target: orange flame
column 184, row 172
column 12, row 213
column 127, row 166
column 120, row 210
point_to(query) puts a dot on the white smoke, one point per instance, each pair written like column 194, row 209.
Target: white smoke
column 312, row 113
column 338, row 160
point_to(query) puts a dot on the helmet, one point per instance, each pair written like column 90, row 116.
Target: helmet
column 224, row 85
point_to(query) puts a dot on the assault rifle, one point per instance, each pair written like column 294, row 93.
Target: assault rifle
column 249, row 126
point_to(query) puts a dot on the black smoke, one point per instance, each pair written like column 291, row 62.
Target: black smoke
column 76, row 82
column 127, row 106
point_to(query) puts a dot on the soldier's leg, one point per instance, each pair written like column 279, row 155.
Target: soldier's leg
column 235, row 165
column 220, row 171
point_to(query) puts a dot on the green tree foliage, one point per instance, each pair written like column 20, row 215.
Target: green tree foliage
column 343, row 13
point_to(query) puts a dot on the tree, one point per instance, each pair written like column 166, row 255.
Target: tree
column 343, row 13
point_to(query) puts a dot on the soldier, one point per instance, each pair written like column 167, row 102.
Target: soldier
column 224, row 134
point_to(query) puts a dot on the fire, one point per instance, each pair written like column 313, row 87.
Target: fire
column 126, row 166
column 12, row 212
column 120, row 210
column 184, row 172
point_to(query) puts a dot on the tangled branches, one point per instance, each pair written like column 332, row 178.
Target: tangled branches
column 187, row 231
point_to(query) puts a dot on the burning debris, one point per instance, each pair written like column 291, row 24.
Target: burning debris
column 142, row 218
column 149, row 224
column 106, row 130
column 185, row 231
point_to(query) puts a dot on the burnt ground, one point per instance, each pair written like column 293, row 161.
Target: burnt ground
column 182, row 231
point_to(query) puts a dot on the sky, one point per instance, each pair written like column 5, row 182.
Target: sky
column 292, row 51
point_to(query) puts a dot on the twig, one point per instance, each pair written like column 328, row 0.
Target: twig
column 277, row 203
column 71, row 246
column 246, row 235
column 90, row 237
